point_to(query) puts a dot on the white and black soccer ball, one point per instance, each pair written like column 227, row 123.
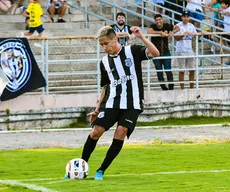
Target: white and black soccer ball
column 77, row 169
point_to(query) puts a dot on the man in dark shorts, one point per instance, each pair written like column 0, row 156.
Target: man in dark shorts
column 121, row 97
column 165, row 31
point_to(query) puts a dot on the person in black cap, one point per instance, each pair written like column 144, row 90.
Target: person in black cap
column 184, row 48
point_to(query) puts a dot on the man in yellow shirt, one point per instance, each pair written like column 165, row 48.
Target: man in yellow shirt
column 34, row 12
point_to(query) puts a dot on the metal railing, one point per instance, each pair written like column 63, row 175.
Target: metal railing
column 70, row 67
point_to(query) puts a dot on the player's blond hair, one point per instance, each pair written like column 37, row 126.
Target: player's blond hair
column 106, row 31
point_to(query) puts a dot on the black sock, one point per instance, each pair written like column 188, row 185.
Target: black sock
column 89, row 146
column 111, row 154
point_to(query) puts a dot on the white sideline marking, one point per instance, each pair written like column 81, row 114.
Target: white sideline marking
column 29, row 186
column 135, row 174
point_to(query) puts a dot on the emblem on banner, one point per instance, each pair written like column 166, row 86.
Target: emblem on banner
column 15, row 63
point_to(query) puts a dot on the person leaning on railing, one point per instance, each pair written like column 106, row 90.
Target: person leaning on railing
column 165, row 31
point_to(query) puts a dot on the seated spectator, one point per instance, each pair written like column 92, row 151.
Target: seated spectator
column 57, row 7
column 123, row 31
column 196, row 11
column 161, row 3
column 5, row 5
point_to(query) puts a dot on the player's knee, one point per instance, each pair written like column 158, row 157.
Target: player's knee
column 97, row 132
column 121, row 132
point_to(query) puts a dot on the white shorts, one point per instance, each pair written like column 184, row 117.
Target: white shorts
column 185, row 63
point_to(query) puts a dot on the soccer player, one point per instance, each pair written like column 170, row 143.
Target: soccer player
column 121, row 97
column 123, row 31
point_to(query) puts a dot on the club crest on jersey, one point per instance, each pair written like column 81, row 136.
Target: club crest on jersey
column 128, row 62
column 15, row 63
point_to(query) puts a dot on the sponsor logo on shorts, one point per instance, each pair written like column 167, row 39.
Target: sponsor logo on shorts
column 128, row 120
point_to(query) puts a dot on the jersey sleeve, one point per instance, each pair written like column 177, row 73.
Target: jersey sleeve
column 104, row 75
column 28, row 9
column 140, row 51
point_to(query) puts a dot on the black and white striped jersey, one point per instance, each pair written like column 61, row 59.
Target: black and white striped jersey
column 126, row 28
column 123, row 76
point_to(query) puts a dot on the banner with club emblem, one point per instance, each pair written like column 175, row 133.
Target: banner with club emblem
column 19, row 71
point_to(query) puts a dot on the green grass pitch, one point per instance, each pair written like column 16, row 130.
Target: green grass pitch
column 138, row 168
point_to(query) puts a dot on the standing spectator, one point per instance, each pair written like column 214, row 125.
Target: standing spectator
column 165, row 31
column 225, row 10
column 34, row 12
column 5, row 5
column 123, row 31
column 184, row 48
column 195, row 9
column 121, row 98
column 57, row 7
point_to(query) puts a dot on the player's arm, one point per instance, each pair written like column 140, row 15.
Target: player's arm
column 93, row 115
column 152, row 50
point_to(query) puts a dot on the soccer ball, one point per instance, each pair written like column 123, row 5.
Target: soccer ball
column 77, row 169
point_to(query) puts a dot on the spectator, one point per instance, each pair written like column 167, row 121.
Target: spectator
column 140, row 5
column 161, row 3
column 184, row 48
column 215, row 7
column 23, row 8
column 177, row 6
column 225, row 10
column 123, row 31
column 57, row 7
column 195, row 9
column 166, row 31
column 5, row 5
column 34, row 12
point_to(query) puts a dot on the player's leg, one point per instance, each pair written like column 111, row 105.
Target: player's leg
column 126, row 124
column 103, row 122
column 91, row 141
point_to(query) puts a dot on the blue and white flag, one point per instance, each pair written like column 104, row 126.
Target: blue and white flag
column 20, row 68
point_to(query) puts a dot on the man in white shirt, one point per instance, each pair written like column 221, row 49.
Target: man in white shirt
column 196, row 11
column 225, row 10
column 184, row 48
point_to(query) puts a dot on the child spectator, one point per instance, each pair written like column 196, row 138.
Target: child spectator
column 34, row 12
column 215, row 7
